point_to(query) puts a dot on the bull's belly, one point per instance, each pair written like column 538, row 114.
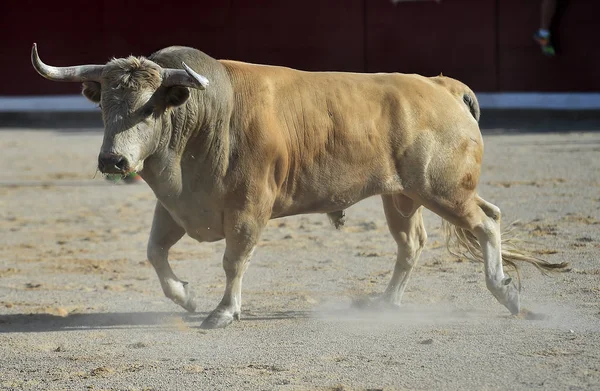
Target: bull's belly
column 318, row 206
column 203, row 220
column 328, row 199
column 199, row 223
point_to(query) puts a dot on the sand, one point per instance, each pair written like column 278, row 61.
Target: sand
column 81, row 308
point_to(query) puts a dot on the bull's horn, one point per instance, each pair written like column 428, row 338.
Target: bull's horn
column 185, row 77
column 78, row 73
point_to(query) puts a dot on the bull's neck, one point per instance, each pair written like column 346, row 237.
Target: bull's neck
column 205, row 139
column 197, row 143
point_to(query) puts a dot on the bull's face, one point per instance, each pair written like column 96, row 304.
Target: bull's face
column 135, row 109
column 135, row 96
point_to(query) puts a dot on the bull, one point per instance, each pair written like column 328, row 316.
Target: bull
column 226, row 146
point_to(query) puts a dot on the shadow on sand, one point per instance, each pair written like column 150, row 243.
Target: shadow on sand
column 34, row 323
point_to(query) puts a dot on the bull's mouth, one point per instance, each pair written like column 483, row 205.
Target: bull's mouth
column 115, row 164
column 110, row 171
column 122, row 173
column 127, row 175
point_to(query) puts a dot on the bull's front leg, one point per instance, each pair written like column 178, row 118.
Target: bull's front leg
column 241, row 235
column 164, row 234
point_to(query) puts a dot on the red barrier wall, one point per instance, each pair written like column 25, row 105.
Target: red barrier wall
column 485, row 43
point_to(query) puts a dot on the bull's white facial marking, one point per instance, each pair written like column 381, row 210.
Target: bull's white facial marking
column 130, row 126
column 132, row 113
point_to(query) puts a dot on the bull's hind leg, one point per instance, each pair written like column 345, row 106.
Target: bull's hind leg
column 164, row 234
column 488, row 233
column 405, row 222
column 482, row 220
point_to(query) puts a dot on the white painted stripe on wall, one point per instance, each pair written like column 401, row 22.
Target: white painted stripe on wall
column 534, row 100
column 506, row 100
column 55, row 103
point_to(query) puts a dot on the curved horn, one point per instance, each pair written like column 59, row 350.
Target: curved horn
column 78, row 73
column 185, row 77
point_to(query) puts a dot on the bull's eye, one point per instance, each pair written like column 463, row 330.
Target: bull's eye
column 147, row 111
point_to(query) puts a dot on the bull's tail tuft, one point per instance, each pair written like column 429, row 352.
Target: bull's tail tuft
column 471, row 101
column 461, row 242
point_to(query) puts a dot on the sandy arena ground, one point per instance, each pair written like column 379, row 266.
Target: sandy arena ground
column 81, row 309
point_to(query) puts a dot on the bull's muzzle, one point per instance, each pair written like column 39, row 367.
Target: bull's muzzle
column 110, row 163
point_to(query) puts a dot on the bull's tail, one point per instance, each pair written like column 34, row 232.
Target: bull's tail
column 471, row 101
column 461, row 92
column 461, row 242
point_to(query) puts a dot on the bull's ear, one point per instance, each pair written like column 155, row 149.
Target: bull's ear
column 177, row 95
column 91, row 90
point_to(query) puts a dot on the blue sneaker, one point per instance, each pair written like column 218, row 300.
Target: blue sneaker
column 545, row 44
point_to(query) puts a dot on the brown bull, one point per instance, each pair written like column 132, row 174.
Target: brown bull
column 242, row 144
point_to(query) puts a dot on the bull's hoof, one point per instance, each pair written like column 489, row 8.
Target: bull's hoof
column 186, row 300
column 219, row 318
column 530, row 315
column 189, row 305
column 380, row 304
column 508, row 296
column 513, row 301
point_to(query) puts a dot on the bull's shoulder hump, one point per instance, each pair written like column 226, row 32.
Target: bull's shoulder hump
column 248, row 67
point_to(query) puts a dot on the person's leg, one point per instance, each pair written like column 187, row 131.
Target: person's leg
column 547, row 14
column 542, row 36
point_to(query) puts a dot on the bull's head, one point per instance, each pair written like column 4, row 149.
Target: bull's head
column 135, row 95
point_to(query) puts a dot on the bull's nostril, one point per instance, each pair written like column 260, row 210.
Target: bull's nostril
column 112, row 164
column 121, row 164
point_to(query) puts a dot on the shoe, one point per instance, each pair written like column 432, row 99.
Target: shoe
column 545, row 44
